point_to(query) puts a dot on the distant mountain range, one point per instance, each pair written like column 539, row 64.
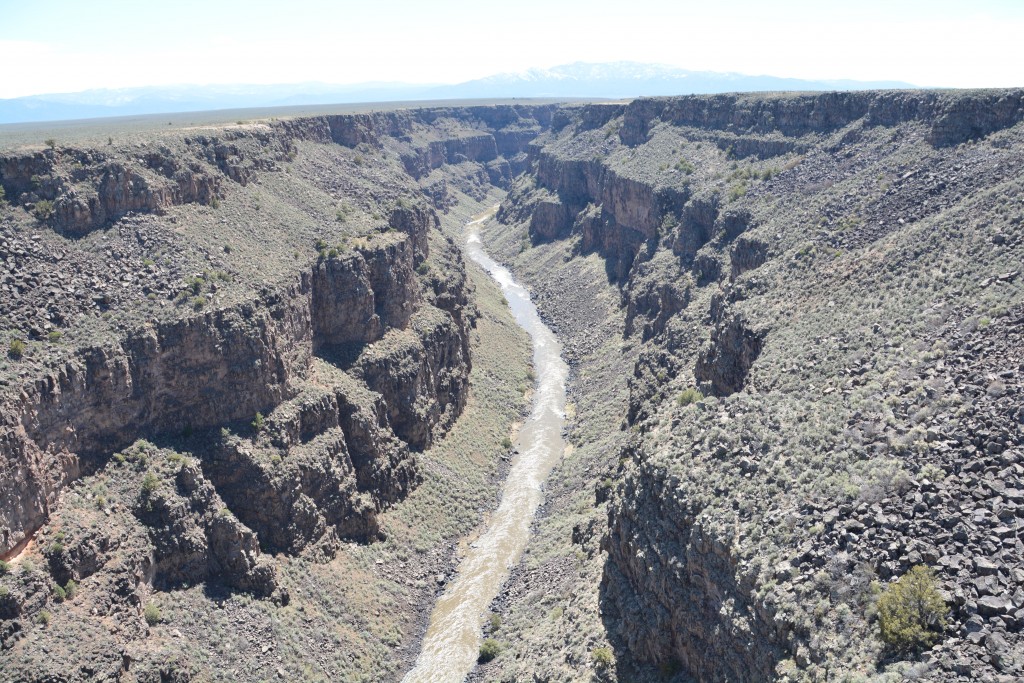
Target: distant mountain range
column 606, row 80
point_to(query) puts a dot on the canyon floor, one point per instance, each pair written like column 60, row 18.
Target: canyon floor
column 254, row 400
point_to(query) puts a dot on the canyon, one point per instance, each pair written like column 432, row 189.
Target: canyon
column 258, row 400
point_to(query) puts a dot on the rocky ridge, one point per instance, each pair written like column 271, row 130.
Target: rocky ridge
column 233, row 389
column 801, row 272
column 796, row 436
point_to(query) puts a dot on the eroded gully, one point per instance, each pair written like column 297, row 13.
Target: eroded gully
column 451, row 644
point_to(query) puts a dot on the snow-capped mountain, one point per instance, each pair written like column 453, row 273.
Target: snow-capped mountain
column 612, row 80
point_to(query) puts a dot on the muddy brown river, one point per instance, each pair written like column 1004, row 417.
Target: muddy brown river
column 452, row 642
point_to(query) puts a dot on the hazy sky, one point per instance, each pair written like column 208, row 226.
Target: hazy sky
column 71, row 45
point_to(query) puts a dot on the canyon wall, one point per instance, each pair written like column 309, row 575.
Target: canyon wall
column 400, row 329
column 818, row 289
column 773, row 257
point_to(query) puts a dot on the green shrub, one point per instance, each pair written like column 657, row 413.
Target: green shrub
column 489, row 649
column 258, row 423
column 689, row 395
column 43, row 209
column 494, row 621
column 55, row 336
column 152, row 614
column 423, row 268
column 50, row 142
column 737, row 191
column 214, row 203
column 602, row 657
column 149, row 483
column 911, row 611
column 506, row 443
column 16, row 349
column 684, row 166
column 59, row 594
column 70, row 589
column 5, row 568
column 44, row 618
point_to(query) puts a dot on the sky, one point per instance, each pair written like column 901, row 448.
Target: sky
column 49, row 46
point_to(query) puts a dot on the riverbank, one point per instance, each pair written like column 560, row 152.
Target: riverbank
column 451, row 645
column 550, row 621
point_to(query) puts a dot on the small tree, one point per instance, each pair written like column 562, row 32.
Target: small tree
column 152, row 614
column 602, row 657
column 50, row 142
column 689, row 395
column 43, row 209
column 489, row 649
column 911, row 611
column 16, row 349
column 149, row 484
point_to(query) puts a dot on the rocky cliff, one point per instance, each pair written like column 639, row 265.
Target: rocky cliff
column 800, row 278
column 818, row 295
column 242, row 336
column 197, row 371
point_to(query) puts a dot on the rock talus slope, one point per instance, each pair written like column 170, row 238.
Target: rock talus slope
column 824, row 293
column 236, row 345
column 227, row 347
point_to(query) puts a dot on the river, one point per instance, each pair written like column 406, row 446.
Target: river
column 451, row 644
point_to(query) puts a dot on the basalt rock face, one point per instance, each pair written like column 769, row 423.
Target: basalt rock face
column 195, row 538
column 690, row 573
column 200, row 371
column 723, row 364
column 951, row 118
column 357, row 298
column 103, row 185
column 162, row 378
column 421, row 373
column 227, row 365
column 808, row 279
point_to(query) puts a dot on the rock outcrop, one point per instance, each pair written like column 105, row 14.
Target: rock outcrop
column 362, row 305
column 801, row 274
column 821, row 293
column 196, row 538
